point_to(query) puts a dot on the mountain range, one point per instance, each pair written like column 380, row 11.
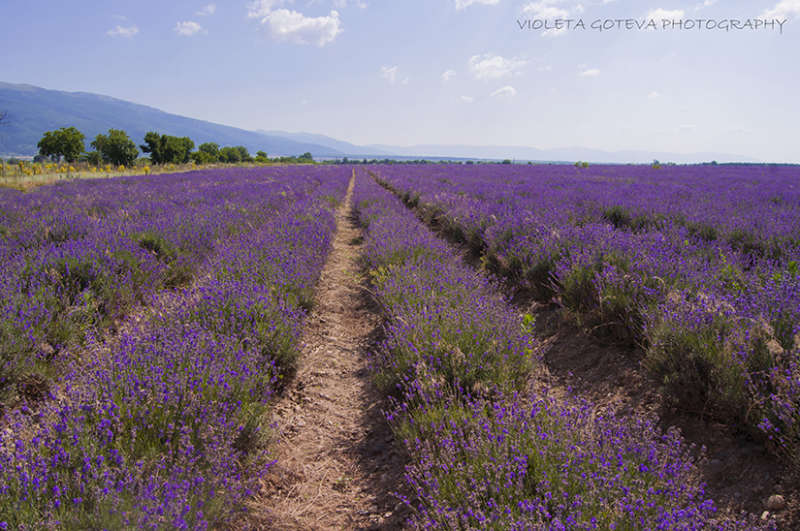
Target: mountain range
column 30, row 111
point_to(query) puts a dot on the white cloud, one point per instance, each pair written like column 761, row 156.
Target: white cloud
column 553, row 10
column 467, row 99
column 447, row 75
column 545, row 9
column 341, row 4
column 123, row 31
column 489, row 66
column 261, row 8
column 665, row 14
column 545, row 68
column 389, row 73
column 293, row 26
column 589, row 72
column 208, row 10
column 783, row 9
column 188, row 28
column 654, row 95
column 704, row 4
column 462, row 4
column 507, row 91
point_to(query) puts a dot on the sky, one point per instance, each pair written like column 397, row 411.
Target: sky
column 407, row 72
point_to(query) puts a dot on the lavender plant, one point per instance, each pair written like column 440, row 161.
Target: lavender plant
column 486, row 451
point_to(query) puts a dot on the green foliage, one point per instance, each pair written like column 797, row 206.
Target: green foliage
column 211, row 149
column 201, row 157
column 66, row 143
column 609, row 309
column 702, row 231
column 165, row 149
column 697, row 370
column 244, row 155
column 230, row 155
column 618, row 216
column 179, row 270
column 116, row 148
column 748, row 243
column 94, row 158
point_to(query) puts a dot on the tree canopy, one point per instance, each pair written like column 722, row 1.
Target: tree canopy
column 116, row 147
column 165, row 149
column 66, row 143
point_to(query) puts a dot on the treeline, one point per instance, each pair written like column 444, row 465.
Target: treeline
column 117, row 148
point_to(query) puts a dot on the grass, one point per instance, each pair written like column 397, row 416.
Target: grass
column 27, row 176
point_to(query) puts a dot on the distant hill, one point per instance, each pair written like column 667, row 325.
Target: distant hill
column 33, row 110
column 571, row 154
column 339, row 145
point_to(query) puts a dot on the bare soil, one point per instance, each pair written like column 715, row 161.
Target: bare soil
column 336, row 461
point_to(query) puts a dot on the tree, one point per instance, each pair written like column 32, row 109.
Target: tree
column 94, row 158
column 177, row 150
column 230, row 155
column 211, row 149
column 66, row 142
column 202, row 157
column 261, row 157
column 244, row 155
column 164, row 149
column 116, row 148
column 152, row 145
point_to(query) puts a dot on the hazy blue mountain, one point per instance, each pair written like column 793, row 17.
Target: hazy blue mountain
column 570, row 154
column 323, row 140
column 33, row 110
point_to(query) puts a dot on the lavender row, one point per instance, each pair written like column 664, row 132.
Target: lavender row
column 698, row 265
column 486, row 452
column 76, row 257
column 160, row 427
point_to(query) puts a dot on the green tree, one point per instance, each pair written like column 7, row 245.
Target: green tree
column 164, row 149
column 211, row 149
column 230, row 155
column 66, row 142
column 261, row 157
column 244, row 155
column 152, row 145
column 116, row 147
column 177, row 149
column 306, row 157
column 94, row 158
column 202, row 157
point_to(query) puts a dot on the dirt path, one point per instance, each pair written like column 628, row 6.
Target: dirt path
column 336, row 463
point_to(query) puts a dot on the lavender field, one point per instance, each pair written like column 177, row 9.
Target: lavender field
column 158, row 339
column 696, row 267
